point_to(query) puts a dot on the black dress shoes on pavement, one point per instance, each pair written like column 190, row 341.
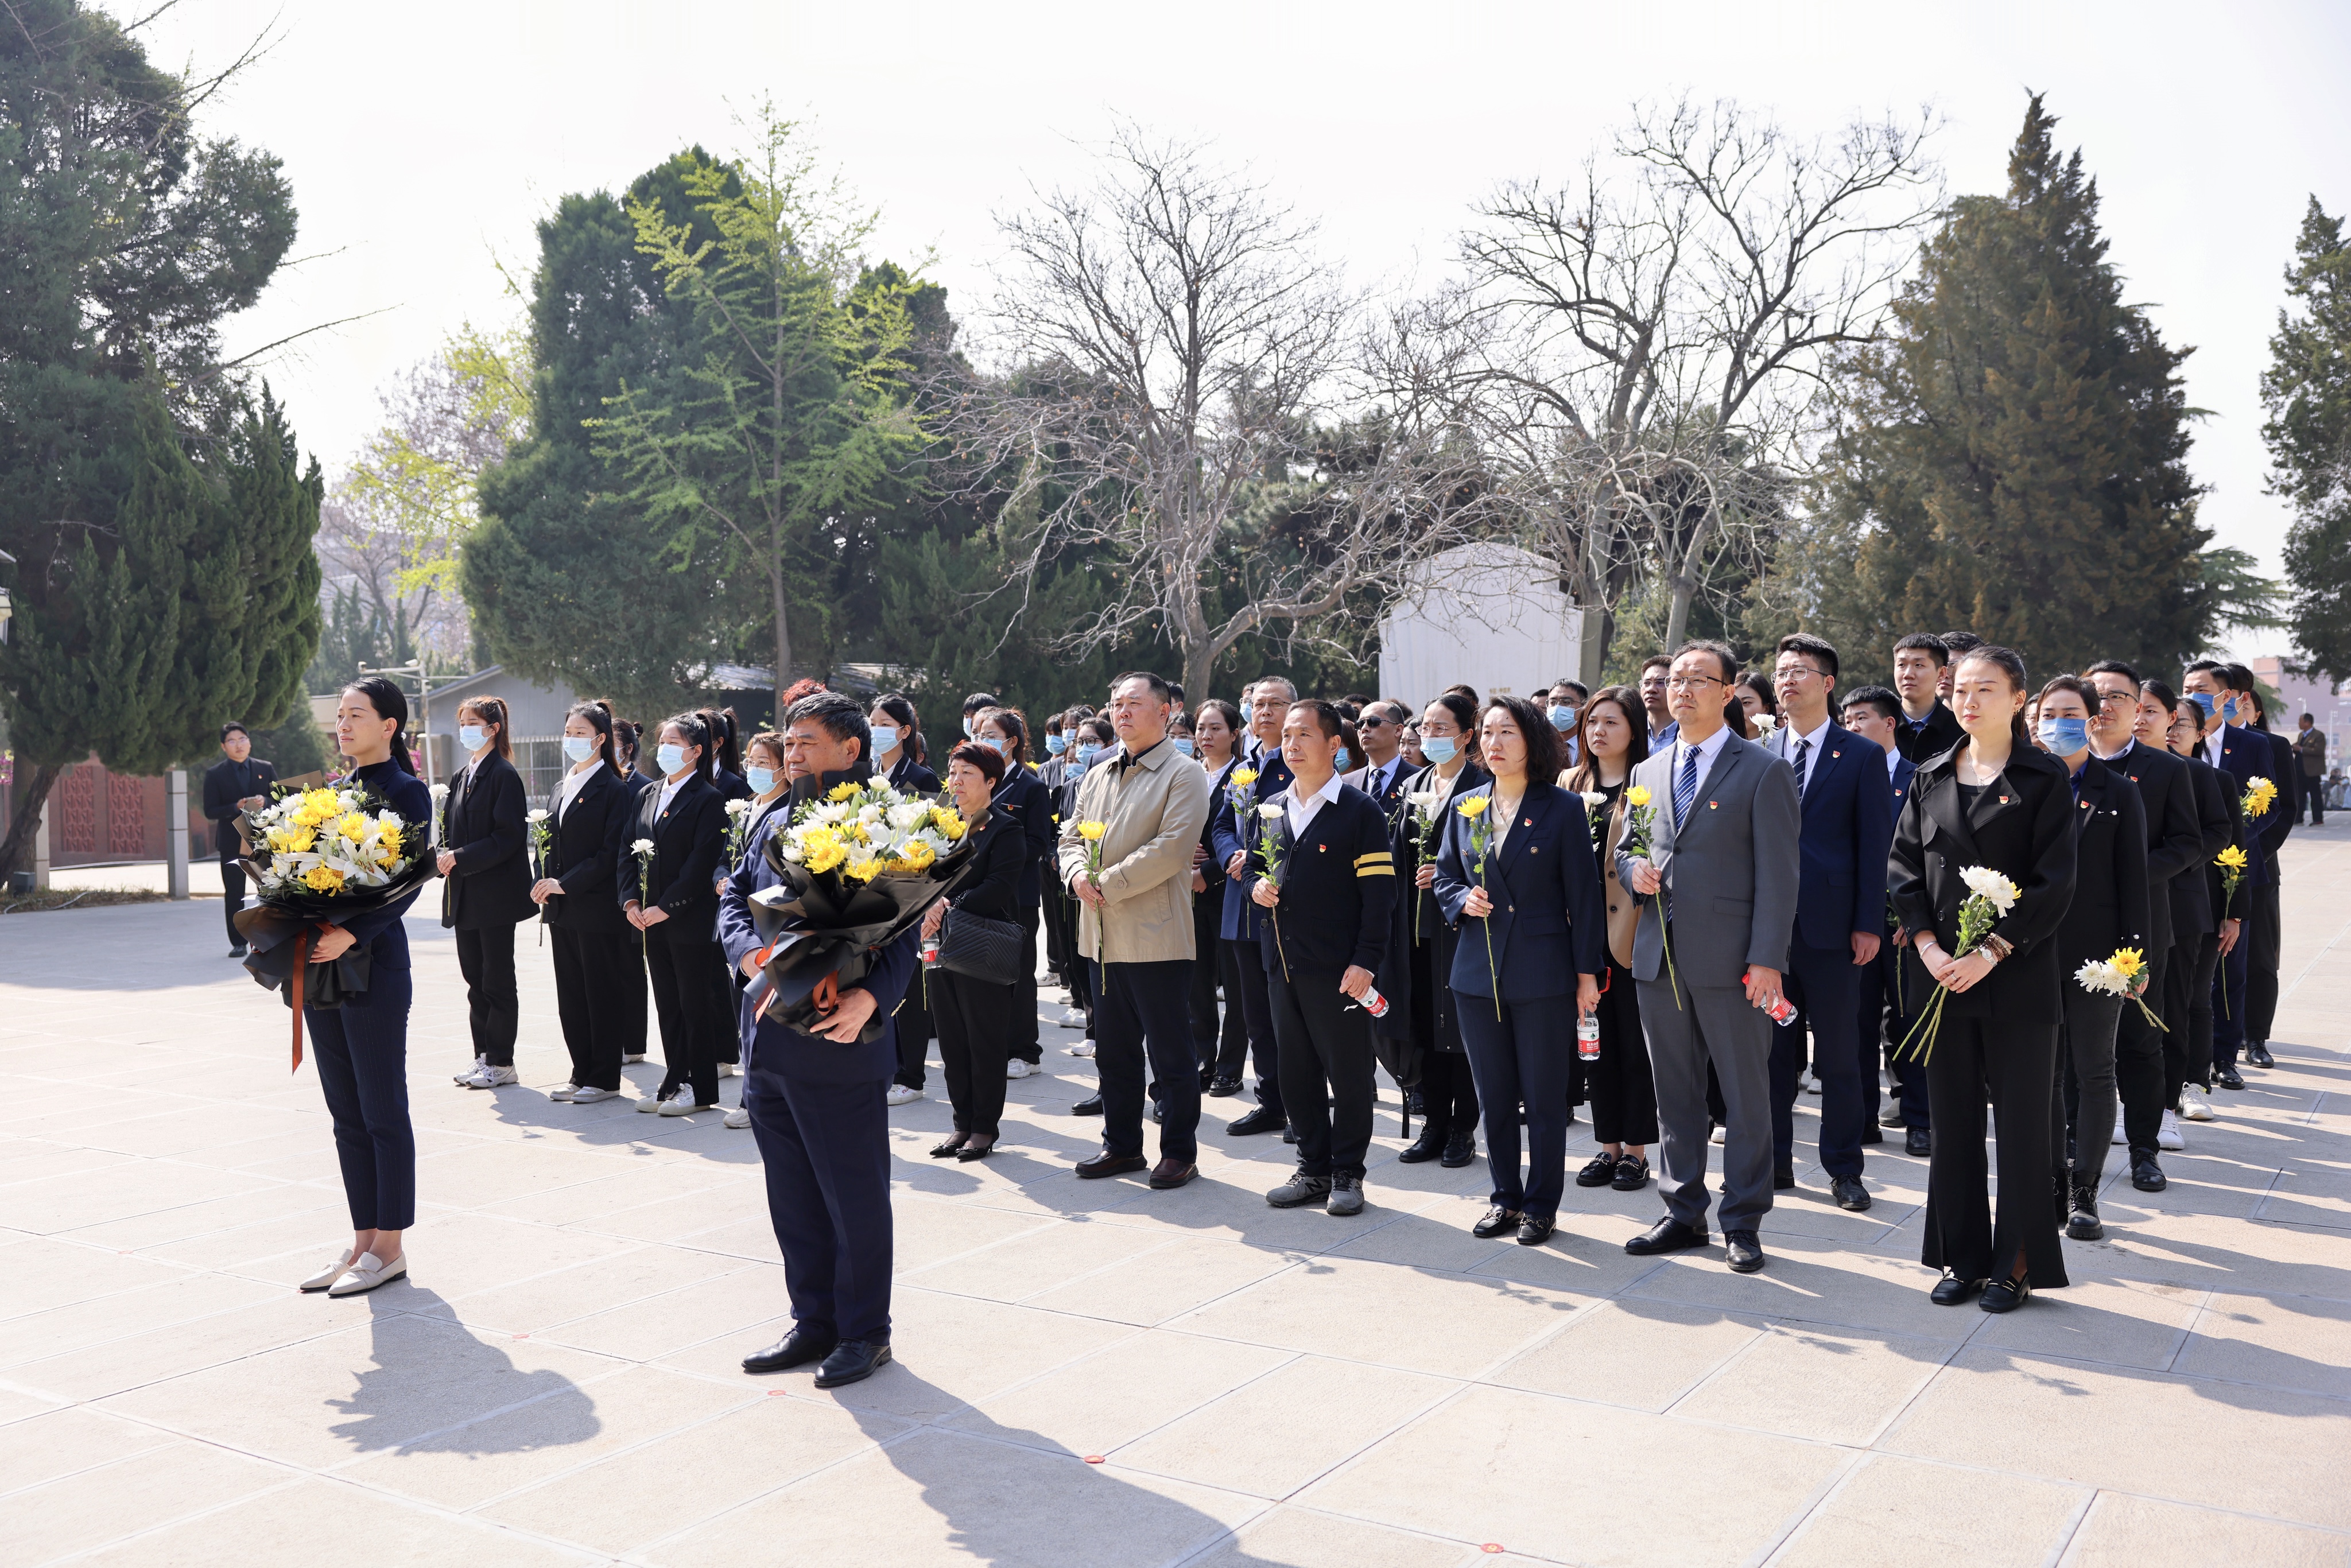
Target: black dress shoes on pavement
column 1106, row 1164
column 2228, row 1077
column 1919, row 1143
column 1535, row 1230
column 1498, row 1219
column 1427, row 1146
column 1256, row 1119
column 1952, row 1290
column 1849, row 1193
column 852, row 1361
column 1172, row 1173
column 1089, row 1106
column 1598, row 1171
column 797, row 1348
column 1459, row 1150
column 2081, row 1224
column 2145, row 1175
column 2006, row 1295
column 1668, row 1235
column 1742, row 1251
column 2257, row 1053
column 1221, row 1087
column 1782, row 1177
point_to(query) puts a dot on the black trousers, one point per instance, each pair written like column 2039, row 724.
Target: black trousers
column 1247, row 962
column 1825, row 985
column 915, row 1021
column 2082, row 1098
column 1624, row 1096
column 1449, row 1092
column 1522, row 1059
column 695, row 1003
column 1886, row 1024
column 362, row 1057
column 2011, row 1065
column 2191, row 975
column 2231, row 981
column 2266, row 926
column 1141, row 1016
column 636, row 1014
column 1220, row 1041
column 232, row 900
column 975, row 1022
column 1326, row 1045
column 2313, row 796
column 486, row 957
column 2138, row 1056
column 1024, row 1017
column 826, row 1151
column 594, row 972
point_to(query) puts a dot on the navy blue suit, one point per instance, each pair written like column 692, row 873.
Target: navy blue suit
column 823, row 1129
column 2245, row 756
column 1242, row 923
column 1549, row 925
column 1848, row 806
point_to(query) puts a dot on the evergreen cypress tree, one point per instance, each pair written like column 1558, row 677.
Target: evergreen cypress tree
column 2307, row 391
column 2016, row 460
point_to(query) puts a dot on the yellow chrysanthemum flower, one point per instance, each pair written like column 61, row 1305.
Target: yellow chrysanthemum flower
column 949, row 822
column 2232, row 857
column 1092, row 831
column 354, row 826
column 917, row 855
column 387, row 838
column 292, row 841
column 1638, row 795
column 823, row 847
column 863, row 867
column 2258, row 794
column 2127, row 961
column 842, row 792
column 1475, row 806
column 324, row 879
column 1244, row 777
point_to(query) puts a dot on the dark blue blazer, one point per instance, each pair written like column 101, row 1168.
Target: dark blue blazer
column 1550, row 922
column 2286, row 770
column 1904, row 770
column 1848, row 827
column 379, row 931
column 1243, row 920
column 908, row 775
column 2245, row 756
column 811, row 1059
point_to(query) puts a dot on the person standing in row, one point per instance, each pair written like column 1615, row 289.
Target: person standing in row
column 239, row 782
column 726, row 753
column 1233, row 826
column 1724, row 866
column 1331, row 871
column 1028, row 803
column 2267, row 919
column 1612, row 736
column 485, row 860
column 1994, row 802
column 1926, row 728
column 361, row 1047
column 1655, row 671
column 975, row 1016
column 1135, row 882
column 1384, row 773
column 1516, row 858
column 1219, row 1036
column 1875, row 714
column 2216, row 797
column 898, row 744
column 594, row 950
column 767, row 771
column 1449, row 1089
column 2244, row 757
column 670, row 895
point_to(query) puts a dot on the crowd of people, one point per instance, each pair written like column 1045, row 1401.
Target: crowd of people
column 1675, row 906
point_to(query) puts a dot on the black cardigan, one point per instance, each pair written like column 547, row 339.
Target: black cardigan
column 1001, row 851
column 688, row 839
column 587, row 845
column 2023, row 827
column 483, row 823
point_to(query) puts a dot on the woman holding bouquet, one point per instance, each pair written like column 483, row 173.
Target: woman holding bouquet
column 668, row 891
column 1989, row 824
column 975, row 1017
column 485, row 858
column 1447, row 1093
column 596, row 965
column 1613, row 737
column 361, row 1047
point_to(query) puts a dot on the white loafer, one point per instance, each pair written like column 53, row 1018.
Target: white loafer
column 367, row 1273
column 327, row 1275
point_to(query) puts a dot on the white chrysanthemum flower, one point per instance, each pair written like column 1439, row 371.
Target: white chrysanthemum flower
column 734, row 809
column 1593, row 799
column 831, row 812
column 912, row 814
column 539, row 814
column 1271, row 810
column 643, row 846
column 1986, row 883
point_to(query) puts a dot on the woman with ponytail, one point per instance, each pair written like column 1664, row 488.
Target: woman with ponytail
column 595, row 962
column 361, row 1047
column 669, row 893
column 725, row 754
column 486, row 857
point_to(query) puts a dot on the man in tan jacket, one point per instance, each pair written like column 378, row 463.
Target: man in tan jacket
column 1145, row 806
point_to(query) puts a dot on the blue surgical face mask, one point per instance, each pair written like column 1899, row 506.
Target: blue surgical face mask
column 1003, row 747
column 1087, row 752
column 885, row 738
column 2204, row 700
column 968, row 734
column 470, row 737
column 668, row 756
column 1437, row 748
column 2064, row 736
column 1561, row 716
column 578, row 748
column 1340, row 761
column 760, row 779
column 1056, row 744
column 1184, row 744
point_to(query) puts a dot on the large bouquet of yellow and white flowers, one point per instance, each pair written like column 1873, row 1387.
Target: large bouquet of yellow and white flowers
column 860, row 832
column 329, row 843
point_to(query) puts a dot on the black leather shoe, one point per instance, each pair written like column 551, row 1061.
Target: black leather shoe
column 2145, row 1175
column 1498, row 1219
column 852, row 1361
column 1106, row 1164
column 2228, row 1077
column 1668, row 1235
column 1459, row 1150
column 2006, row 1295
column 2258, row 1054
column 1169, row 1173
column 949, row 1147
column 1632, row 1174
column 1425, row 1147
column 1535, row 1230
column 1782, row 1177
column 2081, row 1224
column 1221, row 1087
column 797, row 1348
column 1951, row 1290
column 971, row 1152
column 1919, row 1143
column 1289, row 1133
column 1871, row 1135
column 1159, row 1110
column 1849, row 1193
column 1742, row 1251
column 1598, row 1171
column 1089, row 1106
column 1256, row 1119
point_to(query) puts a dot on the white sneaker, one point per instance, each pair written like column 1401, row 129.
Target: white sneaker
column 2120, row 1137
column 725, row 1069
column 367, row 1273
column 652, row 1104
column 738, row 1118
column 682, row 1104
column 1083, row 1047
column 2169, row 1135
column 327, row 1275
column 632, row 1060
column 590, row 1094
column 1073, row 1017
column 1016, row 1068
column 901, row 1096
column 461, row 1079
column 565, row 1093
column 2192, row 1104
column 1715, row 1136
column 488, row 1077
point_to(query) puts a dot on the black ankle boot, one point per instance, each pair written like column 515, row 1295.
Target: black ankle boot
column 1427, row 1146
column 2082, row 1224
column 2058, row 1186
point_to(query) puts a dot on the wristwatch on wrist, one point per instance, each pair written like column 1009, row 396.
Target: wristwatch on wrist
column 1996, row 948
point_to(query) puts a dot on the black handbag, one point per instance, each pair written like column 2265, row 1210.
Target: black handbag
column 987, row 951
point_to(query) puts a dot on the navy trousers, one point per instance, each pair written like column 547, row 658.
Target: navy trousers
column 826, row 1147
column 1143, row 1028
column 1825, row 985
column 1523, row 1058
column 2228, row 998
column 361, row 1053
column 1888, row 999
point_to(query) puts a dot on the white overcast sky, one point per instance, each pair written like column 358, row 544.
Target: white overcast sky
column 425, row 140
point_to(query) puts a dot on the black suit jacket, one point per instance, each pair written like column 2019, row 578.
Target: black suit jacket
column 689, row 838
column 1390, row 800
column 2111, row 891
column 2175, row 843
column 587, row 846
column 227, row 783
column 2023, row 827
column 1940, row 734
column 483, row 821
column 2222, row 817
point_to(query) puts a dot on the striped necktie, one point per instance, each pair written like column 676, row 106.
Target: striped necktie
column 1684, row 795
column 1803, row 749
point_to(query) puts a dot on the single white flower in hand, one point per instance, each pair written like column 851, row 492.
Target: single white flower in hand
column 643, row 846
column 1271, row 810
column 1988, row 884
column 1593, row 799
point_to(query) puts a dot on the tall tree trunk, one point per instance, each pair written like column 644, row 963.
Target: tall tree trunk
column 31, row 793
column 1677, row 613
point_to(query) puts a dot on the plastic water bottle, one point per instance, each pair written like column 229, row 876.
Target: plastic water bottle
column 1587, row 1036
column 1780, row 1010
column 930, row 952
column 1374, row 1003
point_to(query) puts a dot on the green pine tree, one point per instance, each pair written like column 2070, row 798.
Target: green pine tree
column 2015, row 462
column 2307, row 391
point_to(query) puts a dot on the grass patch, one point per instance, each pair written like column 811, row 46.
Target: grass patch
column 41, row 901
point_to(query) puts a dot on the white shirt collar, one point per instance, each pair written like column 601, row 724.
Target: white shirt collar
column 1813, row 736
column 1892, row 763
column 2212, row 746
column 1707, row 750
column 669, row 790
column 575, row 782
column 1302, row 813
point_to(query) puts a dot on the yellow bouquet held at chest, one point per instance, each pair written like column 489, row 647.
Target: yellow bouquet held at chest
column 332, row 840
column 864, row 831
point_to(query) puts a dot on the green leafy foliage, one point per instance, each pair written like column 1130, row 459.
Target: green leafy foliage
column 2307, row 391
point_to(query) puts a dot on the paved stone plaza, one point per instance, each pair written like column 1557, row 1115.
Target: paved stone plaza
column 556, row 1380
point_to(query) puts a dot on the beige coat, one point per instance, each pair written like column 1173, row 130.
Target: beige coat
column 1153, row 813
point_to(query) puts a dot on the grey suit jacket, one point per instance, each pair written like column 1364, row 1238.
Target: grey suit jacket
column 1733, row 867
